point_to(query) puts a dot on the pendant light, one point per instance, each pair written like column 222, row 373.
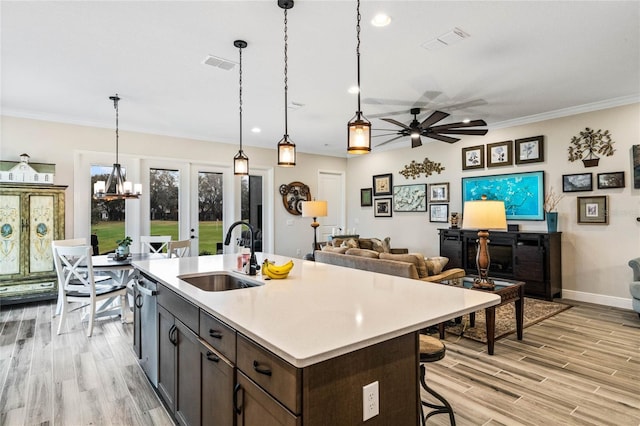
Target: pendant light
column 359, row 128
column 124, row 190
column 286, row 147
column 240, row 161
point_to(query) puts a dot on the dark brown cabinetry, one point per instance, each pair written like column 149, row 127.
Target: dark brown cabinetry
column 532, row 257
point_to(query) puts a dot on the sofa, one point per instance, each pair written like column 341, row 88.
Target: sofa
column 634, row 286
column 406, row 265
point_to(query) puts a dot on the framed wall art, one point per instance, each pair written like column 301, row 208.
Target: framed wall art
column 610, row 180
column 530, row 150
column 522, row 193
column 438, row 192
column 382, row 207
column 593, row 210
column 473, row 157
column 635, row 154
column 410, row 198
column 382, row 184
column 438, row 212
column 500, row 154
column 366, row 198
column 577, row 182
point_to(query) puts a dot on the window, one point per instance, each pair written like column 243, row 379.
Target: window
column 107, row 218
column 164, row 191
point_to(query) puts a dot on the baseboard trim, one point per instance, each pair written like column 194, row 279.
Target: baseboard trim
column 600, row 299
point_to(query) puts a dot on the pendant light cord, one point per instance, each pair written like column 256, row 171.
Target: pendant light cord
column 286, row 87
column 240, row 93
column 358, row 50
column 115, row 105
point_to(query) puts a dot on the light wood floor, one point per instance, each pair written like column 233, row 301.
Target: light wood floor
column 580, row 367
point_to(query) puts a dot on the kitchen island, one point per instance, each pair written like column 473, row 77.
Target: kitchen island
column 302, row 348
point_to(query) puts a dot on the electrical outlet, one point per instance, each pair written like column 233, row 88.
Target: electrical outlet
column 370, row 403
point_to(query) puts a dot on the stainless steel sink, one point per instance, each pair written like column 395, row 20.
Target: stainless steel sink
column 217, row 281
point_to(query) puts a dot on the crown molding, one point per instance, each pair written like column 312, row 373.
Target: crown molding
column 565, row 112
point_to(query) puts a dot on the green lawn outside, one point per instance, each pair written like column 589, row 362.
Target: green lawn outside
column 109, row 232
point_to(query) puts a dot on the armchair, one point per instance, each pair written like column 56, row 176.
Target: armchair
column 634, row 286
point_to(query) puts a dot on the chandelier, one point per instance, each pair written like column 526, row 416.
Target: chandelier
column 123, row 189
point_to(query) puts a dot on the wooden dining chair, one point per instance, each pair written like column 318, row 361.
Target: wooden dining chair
column 76, row 283
column 181, row 248
column 65, row 243
column 154, row 243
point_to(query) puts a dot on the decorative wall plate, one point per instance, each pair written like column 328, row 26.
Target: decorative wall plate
column 293, row 195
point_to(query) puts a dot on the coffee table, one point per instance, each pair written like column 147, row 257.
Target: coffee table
column 508, row 290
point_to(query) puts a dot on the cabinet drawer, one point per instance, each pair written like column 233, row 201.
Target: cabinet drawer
column 259, row 408
column 219, row 335
column 180, row 307
column 276, row 376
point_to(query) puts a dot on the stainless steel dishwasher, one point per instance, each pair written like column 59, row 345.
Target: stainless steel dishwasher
column 145, row 332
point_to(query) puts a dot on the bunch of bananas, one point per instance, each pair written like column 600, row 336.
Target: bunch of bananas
column 276, row 272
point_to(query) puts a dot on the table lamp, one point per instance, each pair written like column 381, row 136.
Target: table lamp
column 484, row 215
column 314, row 209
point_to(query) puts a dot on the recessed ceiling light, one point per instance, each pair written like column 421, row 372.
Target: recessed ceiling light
column 256, row 130
column 353, row 90
column 381, row 20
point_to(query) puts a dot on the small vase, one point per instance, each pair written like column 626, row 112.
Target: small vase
column 122, row 251
column 552, row 221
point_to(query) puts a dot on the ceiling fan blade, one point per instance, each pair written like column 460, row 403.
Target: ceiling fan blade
column 433, row 118
column 476, row 132
column 416, row 142
column 473, row 123
column 442, row 138
column 390, row 140
column 385, row 134
column 396, row 122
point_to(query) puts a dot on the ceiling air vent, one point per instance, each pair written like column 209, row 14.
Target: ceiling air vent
column 446, row 39
column 215, row 61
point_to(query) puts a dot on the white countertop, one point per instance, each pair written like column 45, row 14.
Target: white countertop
column 320, row 311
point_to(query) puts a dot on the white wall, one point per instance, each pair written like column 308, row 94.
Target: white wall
column 594, row 257
column 48, row 142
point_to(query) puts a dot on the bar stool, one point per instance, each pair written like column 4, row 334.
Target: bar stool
column 432, row 350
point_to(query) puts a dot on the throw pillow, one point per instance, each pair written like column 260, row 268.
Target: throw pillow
column 331, row 249
column 386, row 244
column 350, row 243
column 363, row 253
column 377, row 245
column 336, row 242
column 366, row 243
column 436, row 264
column 416, row 258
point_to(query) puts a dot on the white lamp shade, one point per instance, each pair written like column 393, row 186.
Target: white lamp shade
column 484, row 214
column 314, row 208
column 99, row 187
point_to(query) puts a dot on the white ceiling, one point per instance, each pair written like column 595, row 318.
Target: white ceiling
column 62, row 60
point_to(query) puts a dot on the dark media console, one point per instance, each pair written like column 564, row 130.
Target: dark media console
column 532, row 257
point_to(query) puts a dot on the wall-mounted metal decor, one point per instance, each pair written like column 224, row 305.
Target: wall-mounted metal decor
column 415, row 169
column 588, row 143
column 293, row 195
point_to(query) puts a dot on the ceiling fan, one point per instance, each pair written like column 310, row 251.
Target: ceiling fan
column 426, row 128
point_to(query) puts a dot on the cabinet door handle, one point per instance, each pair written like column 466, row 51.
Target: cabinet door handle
column 212, row 357
column 261, row 370
column 236, row 389
column 215, row 334
column 172, row 337
column 138, row 300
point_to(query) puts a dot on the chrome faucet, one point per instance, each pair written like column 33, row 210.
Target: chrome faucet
column 253, row 263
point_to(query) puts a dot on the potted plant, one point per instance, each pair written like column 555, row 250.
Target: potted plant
column 590, row 142
column 122, row 250
column 551, row 201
